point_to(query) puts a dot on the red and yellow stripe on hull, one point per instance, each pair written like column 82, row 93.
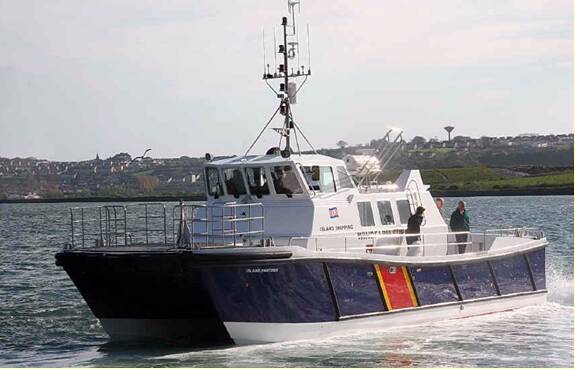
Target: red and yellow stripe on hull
column 396, row 286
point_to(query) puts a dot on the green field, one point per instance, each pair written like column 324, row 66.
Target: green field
column 484, row 178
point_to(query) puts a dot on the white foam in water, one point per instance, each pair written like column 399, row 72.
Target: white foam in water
column 560, row 287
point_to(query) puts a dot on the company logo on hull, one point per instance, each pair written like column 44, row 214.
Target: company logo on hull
column 333, row 213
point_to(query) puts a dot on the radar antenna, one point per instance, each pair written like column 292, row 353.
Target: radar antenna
column 288, row 49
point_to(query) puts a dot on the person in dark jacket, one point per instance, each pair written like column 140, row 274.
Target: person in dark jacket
column 414, row 226
column 459, row 222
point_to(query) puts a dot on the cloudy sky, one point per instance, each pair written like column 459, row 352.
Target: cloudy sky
column 184, row 77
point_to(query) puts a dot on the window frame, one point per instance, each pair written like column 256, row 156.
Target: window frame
column 296, row 173
column 220, row 183
column 324, row 167
column 244, row 182
column 308, row 185
column 338, row 178
column 360, row 213
column 269, row 184
column 321, row 169
column 399, row 211
column 378, row 202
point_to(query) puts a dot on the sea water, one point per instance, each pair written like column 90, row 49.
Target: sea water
column 45, row 322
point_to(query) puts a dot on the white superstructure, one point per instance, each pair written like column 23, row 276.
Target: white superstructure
column 313, row 196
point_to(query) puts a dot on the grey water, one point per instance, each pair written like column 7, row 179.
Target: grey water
column 45, row 323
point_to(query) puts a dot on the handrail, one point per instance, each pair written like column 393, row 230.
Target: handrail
column 390, row 235
column 414, row 196
column 369, row 247
column 387, row 153
column 146, row 224
column 366, row 163
column 413, row 245
column 395, row 246
column 236, row 224
column 221, row 225
column 369, row 243
column 110, row 224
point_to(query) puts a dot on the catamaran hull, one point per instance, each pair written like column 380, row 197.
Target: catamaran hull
column 243, row 333
column 199, row 332
column 179, row 297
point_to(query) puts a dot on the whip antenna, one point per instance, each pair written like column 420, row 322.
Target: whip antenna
column 264, row 48
column 308, row 51
column 275, row 53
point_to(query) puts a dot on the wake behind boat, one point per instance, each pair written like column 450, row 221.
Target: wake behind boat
column 289, row 246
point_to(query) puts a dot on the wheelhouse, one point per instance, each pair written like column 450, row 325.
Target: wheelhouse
column 275, row 177
column 315, row 196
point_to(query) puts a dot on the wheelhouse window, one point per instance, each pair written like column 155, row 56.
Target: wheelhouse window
column 385, row 212
column 213, row 182
column 365, row 214
column 404, row 210
column 343, row 178
column 234, row 182
column 319, row 178
column 257, row 181
column 285, row 181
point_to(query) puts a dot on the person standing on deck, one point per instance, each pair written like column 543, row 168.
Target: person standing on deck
column 439, row 202
column 414, row 227
column 459, row 222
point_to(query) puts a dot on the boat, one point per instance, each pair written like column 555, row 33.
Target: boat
column 288, row 246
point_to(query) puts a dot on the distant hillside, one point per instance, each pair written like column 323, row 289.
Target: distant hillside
column 492, row 179
column 118, row 176
column 486, row 163
column 497, row 158
column 537, row 151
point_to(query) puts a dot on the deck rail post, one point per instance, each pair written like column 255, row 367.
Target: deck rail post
column 249, row 239
column 115, row 226
column 234, row 223
column 165, row 226
column 72, row 224
column 100, row 225
column 146, row 222
column 82, row 221
column 125, row 226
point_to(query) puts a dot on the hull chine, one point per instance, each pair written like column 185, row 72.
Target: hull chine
column 254, row 333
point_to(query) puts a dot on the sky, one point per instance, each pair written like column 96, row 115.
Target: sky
column 184, row 77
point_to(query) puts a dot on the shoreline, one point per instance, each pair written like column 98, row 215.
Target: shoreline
column 535, row 191
column 548, row 191
column 193, row 197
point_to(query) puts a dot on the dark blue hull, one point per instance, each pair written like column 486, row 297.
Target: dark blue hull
column 179, row 296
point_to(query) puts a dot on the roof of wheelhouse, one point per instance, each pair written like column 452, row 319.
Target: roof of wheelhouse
column 303, row 159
